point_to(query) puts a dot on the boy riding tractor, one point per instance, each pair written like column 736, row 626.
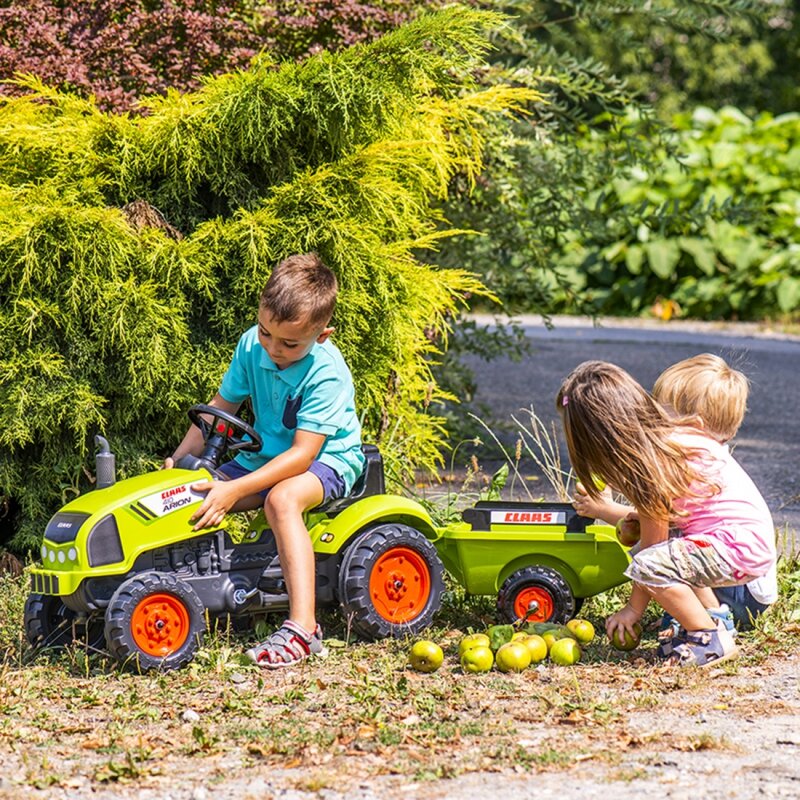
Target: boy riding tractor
column 122, row 565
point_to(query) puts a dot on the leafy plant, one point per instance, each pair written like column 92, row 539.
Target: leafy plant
column 712, row 230
column 541, row 194
column 298, row 28
column 119, row 51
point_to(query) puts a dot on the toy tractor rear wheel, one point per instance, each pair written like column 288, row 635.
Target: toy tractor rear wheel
column 50, row 624
column 391, row 582
column 538, row 594
column 154, row 621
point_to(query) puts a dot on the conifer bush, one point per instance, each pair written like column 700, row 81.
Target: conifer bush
column 111, row 325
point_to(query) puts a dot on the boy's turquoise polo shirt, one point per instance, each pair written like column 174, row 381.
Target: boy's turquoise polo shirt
column 314, row 394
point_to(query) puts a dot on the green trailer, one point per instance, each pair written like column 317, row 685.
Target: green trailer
column 540, row 559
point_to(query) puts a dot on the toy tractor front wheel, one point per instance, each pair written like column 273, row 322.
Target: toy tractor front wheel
column 390, row 582
column 49, row 623
column 536, row 594
column 154, row 621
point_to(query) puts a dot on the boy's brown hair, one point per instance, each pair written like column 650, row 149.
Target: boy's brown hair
column 705, row 386
column 301, row 286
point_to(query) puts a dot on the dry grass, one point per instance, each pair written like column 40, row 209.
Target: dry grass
column 68, row 719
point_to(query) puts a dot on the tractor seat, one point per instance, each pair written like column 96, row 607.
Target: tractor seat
column 369, row 483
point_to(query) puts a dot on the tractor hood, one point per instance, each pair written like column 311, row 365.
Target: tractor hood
column 102, row 532
column 154, row 493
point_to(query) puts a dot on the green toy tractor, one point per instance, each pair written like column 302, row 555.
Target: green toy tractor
column 123, row 568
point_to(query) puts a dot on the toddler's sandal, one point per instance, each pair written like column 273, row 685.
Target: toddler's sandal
column 668, row 640
column 704, row 649
column 289, row 645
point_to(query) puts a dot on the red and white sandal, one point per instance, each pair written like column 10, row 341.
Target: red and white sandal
column 287, row 646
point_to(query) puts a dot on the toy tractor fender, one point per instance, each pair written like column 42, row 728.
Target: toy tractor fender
column 390, row 578
column 332, row 535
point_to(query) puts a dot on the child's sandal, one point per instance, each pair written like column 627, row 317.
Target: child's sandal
column 704, row 648
column 287, row 646
column 668, row 640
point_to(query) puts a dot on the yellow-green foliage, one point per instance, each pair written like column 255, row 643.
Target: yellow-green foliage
column 108, row 328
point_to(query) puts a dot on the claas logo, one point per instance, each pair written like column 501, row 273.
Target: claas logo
column 509, row 517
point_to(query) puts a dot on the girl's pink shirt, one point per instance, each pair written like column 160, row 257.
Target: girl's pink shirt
column 736, row 520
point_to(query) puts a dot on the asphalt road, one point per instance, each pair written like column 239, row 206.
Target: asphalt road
column 768, row 443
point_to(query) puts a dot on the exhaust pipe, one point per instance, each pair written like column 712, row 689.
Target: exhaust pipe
column 105, row 464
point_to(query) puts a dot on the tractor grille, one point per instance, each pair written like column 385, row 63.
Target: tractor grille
column 44, row 583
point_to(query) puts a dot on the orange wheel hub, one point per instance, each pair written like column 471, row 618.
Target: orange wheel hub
column 400, row 584
column 537, row 601
column 160, row 624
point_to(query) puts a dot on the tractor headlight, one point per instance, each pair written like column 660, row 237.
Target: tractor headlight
column 103, row 544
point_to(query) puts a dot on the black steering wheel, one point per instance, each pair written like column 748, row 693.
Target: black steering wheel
column 223, row 433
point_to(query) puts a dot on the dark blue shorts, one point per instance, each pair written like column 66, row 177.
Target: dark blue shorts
column 332, row 484
column 744, row 606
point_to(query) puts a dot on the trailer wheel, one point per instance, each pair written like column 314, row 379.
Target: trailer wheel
column 50, row 624
column 539, row 592
column 390, row 582
column 154, row 621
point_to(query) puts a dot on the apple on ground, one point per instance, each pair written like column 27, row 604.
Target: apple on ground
column 582, row 630
column 477, row 659
column 473, row 640
column 537, row 647
column 513, row 657
column 565, row 652
column 552, row 636
column 426, row 656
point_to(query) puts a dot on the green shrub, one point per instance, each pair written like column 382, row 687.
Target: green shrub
column 111, row 325
column 713, row 228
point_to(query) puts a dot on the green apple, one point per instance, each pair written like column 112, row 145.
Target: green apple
column 565, row 652
column 477, row 659
column 473, row 640
column 582, row 630
column 513, row 657
column 626, row 641
column 552, row 636
column 537, row 647
column 628, row 532
column 426, row 656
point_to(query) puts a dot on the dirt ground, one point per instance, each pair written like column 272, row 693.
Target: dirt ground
column 623, row 731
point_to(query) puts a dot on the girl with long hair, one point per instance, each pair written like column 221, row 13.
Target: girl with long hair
column 675, row 475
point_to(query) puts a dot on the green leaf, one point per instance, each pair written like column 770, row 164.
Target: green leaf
column 499, row 635
column 702, row 251
column 495, row 487
column 634, row 258
column 774, row 261
column 788, row 294
column 725, row 154
column 663, row 256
